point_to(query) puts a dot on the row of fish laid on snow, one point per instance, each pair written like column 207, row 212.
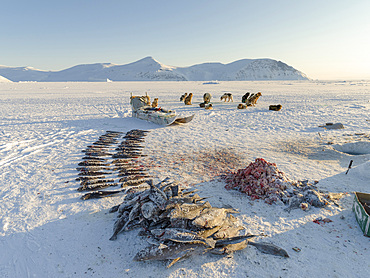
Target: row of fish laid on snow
column 108, row 163
column 177, row 223
column 263, row 180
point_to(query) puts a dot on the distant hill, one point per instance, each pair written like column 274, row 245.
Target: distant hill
column 148, row 69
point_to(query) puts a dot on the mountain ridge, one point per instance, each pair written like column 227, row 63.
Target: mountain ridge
column 149, row 69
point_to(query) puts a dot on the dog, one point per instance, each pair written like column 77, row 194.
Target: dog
column 207, row 97
column 155, row 103
column 183, row 96
column 245, row 97
column 188, row 99
column 209, row 106
column 145, row 98
column 275, row 107
column 227, row 97
column 242, row 106
column 252, row 100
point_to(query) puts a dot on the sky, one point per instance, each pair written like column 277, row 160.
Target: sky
column 323, row 39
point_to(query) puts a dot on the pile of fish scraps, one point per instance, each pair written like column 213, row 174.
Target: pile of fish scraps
column 110, row 163
column 177, row 223
column 263, row 180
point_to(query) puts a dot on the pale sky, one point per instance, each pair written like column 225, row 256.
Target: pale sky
column 324, row 39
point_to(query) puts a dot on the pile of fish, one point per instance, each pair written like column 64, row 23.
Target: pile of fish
column 108, row 163
column 304, row 195
column 179, row 223
column 263, row 180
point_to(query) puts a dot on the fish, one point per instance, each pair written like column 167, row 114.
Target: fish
column 91, row 168
column 175, row 190
column 227, row 232
column 114, row 132
column 135, row 223
column 127, row 151
column 134, row 139
column 229, row 228
column 132, row 170
column 88, row 178
column 94, row 158
column 130, row 203
column 122, row 161
column 182, row 235
column 188, row 193
column 93, row 163
column 101, row 143
column 209, row 232
column 122, row 168
column 170, row 189
column 93, row 173
column 98, row 154
column 129, row 179
column 294, row 202
column 129, row 148
column 134, row 174
column 269, row 248
column 134, row 183
column 113, row 209
column 188, row 211
column 107, row 139
column 162, row 183
column 157, row 196
column 96, row 181
column 99, row 194
column 180, row 223
column 211, row 217
column 95, row 149
column 127, row 156
column 130, row 144
column 173, row 251
column 138, row 131
column 119, row 224
column 230, row 248
column 185, row 200
column 314, row 198
column 96, row 186
column 149, row 210
column 134, row 191
column 129, row 135
column 160, row 224
column 234, row 240
column 135, row 212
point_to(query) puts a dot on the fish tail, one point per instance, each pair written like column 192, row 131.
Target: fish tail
column 113, row 237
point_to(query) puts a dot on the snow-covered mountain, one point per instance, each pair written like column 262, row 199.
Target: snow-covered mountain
column 4, row 80
column 148, row 69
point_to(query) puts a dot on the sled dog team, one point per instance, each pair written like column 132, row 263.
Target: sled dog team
column 248, row 99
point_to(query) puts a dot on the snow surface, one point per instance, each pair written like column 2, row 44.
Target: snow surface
column 48, row 231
